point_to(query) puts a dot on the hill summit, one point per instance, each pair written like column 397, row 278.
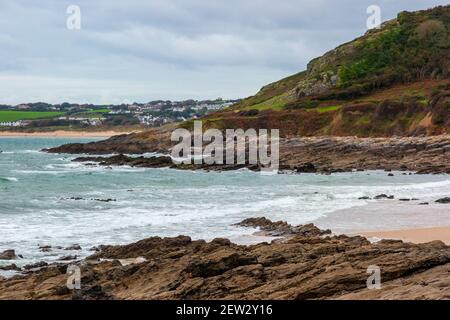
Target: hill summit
column 393, row 80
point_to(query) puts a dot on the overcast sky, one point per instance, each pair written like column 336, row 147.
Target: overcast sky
column 142, row 50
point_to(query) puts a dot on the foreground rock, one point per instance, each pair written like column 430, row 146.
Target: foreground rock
column 308, row 265
column 302, row 155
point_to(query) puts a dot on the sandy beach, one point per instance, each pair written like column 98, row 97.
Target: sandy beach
column 418, row 235
column 62, row 133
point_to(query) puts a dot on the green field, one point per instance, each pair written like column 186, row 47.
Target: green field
column 100, row 110
column 8, row 116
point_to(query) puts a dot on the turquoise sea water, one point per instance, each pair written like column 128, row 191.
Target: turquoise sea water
column 36, row 209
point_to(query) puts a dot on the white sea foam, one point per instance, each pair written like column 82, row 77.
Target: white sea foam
column 12, row 179
column 36, row 208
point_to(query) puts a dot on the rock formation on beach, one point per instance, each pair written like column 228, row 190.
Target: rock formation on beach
column 307, row 263
column 324, row 154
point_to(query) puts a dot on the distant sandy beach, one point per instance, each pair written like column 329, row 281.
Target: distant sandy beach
column 419, row 235
column 61, row 133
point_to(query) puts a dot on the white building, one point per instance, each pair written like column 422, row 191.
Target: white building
column 19, row 123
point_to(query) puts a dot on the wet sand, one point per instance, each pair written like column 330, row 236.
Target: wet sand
column 392, row 219
column 419, row 235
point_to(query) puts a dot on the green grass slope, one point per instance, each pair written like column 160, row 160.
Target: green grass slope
column 11, row 116
column 392, row 80
column 413, row 47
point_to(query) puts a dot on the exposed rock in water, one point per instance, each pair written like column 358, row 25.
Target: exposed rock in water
column 443, row 200
column 10, row 267
column 282, row 228
column 45, row 248
column 306, row 168
column 36, row 265
column 302, row 154
column 8, row 255
column 383, row 196
column 105, row 200
column 158, row 162
column 68, row 258
column 73, row 247
column 304, row 266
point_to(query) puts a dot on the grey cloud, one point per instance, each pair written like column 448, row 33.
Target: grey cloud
column 169, row 49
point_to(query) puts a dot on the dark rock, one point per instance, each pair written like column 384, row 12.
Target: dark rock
column 8, row 255
column 383, row 196
column 424, row 203
column 62, row 291
column 443, row 200
column 35, row 265
column 404, row 199
column 45, row 248
column 105, row 200
column 67, row 258
column 364, row 198
column 281, row 228
column 221, row 241
column 306, row 168
column 390, row 175
column 213, row 267
column 73, row 247
column 10, row 267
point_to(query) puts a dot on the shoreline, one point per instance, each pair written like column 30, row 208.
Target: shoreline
column 64, row 133
column 415, row 235
column 298, row 266
column 302, row 155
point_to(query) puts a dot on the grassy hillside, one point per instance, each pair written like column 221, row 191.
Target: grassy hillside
column 392, row 80
column 7, row 115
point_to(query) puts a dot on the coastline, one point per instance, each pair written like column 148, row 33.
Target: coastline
column 64, row 133
column 416, row 235
column 306, row 263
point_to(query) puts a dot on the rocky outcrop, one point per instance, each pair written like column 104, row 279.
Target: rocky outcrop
column 282, row 228
column 331, row 154
column 10, row 267
column 305, row 265
column 121, row 160
column 327, row 155
column 8, row 255
column 152, row 140
column 443, row 200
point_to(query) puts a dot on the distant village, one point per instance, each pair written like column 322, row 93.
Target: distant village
column 151, row 114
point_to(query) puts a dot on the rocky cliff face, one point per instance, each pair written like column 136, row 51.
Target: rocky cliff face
column 307, row 264
column 404, row 64
column 414, row 46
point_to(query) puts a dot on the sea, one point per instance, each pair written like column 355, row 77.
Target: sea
column 49, row 200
